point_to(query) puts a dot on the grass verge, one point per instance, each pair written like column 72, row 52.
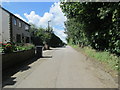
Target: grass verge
column 111, row 60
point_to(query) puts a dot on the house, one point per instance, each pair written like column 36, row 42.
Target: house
column 13, row 28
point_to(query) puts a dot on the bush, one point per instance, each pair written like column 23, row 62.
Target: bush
column 24, row 47
column 10, row 47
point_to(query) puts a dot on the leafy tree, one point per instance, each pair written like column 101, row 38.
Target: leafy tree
column 45, row 36
column 55, row 41
column 93, row 23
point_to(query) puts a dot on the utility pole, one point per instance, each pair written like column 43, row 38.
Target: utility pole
column 48, row 24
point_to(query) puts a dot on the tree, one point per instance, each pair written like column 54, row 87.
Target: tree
column 95, row 23
column 41, row 36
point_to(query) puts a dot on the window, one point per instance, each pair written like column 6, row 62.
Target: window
column 26, row 27
column 20, row 24
column 27, row 39
column 22, row 37
column 18, row 38
column 15, row 21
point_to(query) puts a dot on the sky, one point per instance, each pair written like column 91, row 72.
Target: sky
column 39, row 13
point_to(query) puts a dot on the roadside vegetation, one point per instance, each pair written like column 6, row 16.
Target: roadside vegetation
column 25, row 47
column 111, row 60
column 94, row 27
column 14, row 47
column 45, row 37
column 40, row 36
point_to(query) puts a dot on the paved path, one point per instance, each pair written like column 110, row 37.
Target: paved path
column 62, row 68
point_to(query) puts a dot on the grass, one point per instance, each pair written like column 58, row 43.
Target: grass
column 0, row 49
column 110, row 59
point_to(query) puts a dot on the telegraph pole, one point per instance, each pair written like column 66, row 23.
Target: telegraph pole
column 48, row 24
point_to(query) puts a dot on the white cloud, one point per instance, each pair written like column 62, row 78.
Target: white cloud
column 56, row 16
column 59, row 17
column 32, row 17
column 20, row 17
column 44, row 20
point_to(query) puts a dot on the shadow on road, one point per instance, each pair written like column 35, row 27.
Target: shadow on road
column 7, row 74
column 46, row 56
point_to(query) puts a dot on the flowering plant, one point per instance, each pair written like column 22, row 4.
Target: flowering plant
column 7, row 47
column 11, row 47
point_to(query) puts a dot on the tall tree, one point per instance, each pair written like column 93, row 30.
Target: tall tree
column 97, row 23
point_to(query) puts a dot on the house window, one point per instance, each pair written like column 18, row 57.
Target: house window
column 22, row 37
column 26, row 27
column 18, row 38
column 15, row 21
column 27, row 40
column 20, row 24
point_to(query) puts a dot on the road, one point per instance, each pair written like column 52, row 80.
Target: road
column 61, row 68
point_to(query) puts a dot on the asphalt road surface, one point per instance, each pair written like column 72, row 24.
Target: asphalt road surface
column 61, row 68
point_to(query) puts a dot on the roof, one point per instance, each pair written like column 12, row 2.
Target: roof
column 14, row 15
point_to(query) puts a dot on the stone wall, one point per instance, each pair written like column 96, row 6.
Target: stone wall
column 12, row 59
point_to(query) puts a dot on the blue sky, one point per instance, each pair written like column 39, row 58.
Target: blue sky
column 39, row 13
column 23, row 7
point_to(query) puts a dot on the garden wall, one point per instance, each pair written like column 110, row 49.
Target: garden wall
column 12, row 59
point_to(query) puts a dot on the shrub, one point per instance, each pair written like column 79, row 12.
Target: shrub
column 24, row 47
column 8, row 47
column 12, row 47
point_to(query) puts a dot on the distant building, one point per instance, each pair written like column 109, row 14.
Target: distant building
column 13, row 28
